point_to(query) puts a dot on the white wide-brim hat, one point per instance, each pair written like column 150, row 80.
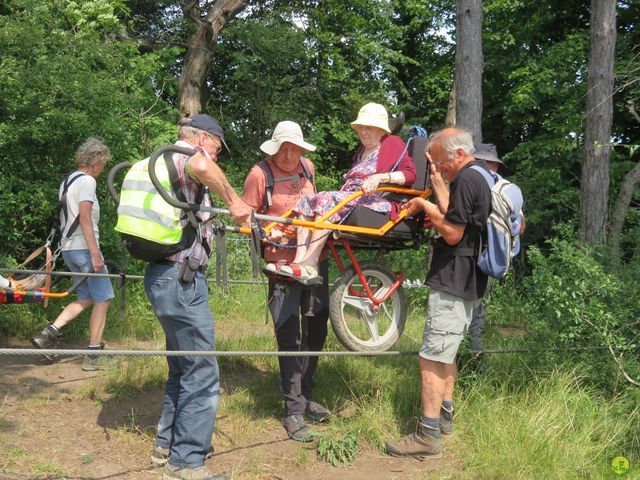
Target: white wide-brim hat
column 373, row 115
column 286, row 131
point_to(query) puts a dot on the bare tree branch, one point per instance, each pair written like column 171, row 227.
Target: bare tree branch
column 191, row 10
column 615, row 358
column 621, row 368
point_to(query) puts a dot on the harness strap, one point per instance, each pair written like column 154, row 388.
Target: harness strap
column 256, row 246
column 48, row 267
column 270, row 181
column 62, row 206
column 406, row 147
column 289, row 178
column 414, row 131
column 221, row 256
column 460, row 251
column 33, row 255
column 189, row 214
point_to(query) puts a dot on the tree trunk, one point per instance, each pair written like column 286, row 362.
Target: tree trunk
column 450, row 118
column 631, row 181
column 469, row 64
column 629, row 184
column 192, row 87
column 599, row 115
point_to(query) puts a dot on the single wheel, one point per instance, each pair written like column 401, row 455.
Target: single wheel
column 355, row 322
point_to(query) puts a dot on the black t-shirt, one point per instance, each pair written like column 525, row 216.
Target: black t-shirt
column 469, row 206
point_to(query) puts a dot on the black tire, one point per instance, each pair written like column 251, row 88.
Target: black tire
column 355, row 324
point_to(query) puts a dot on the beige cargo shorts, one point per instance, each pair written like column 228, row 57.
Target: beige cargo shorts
column 448, row 317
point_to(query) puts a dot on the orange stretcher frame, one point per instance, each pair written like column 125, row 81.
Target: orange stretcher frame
column 322, row 223
column 11, row 296
column 17, row 297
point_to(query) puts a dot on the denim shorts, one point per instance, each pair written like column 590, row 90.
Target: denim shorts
column 448, row 317
column 96, row 289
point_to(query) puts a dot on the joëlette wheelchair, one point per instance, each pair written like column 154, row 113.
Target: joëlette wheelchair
column 368, row 306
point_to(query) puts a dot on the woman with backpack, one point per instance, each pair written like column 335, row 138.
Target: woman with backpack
column 79, row 217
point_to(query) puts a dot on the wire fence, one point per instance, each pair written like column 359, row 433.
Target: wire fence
column 222, row 353
column 121, row 285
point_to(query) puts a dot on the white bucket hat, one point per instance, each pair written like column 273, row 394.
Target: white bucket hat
column 286, row 131
column 373, row 115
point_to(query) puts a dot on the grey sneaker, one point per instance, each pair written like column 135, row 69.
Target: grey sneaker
column 446, row 421
column 160, row 455
column 47, row 338
column 95, row 362
column 423, row 443
column 296, row 428
column 198, row 473
column 316, row 412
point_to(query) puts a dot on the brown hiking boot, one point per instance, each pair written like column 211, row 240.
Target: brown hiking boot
column 423, row 443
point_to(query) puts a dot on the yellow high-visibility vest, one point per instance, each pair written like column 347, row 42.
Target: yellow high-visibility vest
column 151, row 226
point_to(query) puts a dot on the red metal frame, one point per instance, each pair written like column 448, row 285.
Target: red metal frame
column 356, row 265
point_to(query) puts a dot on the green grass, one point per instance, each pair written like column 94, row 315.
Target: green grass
column 48, row 469
column 551, row 428
column 526, row 418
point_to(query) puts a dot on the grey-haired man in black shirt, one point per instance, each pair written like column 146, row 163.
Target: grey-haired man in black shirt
column 456, row 284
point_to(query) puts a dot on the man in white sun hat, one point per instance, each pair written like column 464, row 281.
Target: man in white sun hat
column 273, row 187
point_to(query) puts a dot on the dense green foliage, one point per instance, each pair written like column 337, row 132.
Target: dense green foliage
column 74, row 69
column 110, row 68
column 62, row 80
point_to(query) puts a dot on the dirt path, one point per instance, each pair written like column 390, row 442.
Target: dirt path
column 52, row 426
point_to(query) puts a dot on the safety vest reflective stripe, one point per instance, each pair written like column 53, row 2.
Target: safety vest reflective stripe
column 142, row 212
column 143, row 185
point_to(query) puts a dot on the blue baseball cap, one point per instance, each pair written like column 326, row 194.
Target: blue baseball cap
column 206, row 123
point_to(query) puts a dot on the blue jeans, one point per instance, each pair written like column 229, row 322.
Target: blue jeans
column 193, row 387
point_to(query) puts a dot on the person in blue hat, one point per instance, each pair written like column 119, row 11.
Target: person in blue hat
column 177, row 289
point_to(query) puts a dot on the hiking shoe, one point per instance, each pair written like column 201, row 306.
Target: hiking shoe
column 91, row 363
column 160, row 455
column 95, row 362
column 47, row 338
column 198, row 473
column 296, row 428
column 316, row 412
column 446, row 421
column 420, row 444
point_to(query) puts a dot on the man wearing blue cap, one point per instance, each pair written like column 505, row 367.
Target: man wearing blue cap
column 177, row 289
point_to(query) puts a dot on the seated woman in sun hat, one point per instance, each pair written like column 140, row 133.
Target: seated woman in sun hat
column 375, row 157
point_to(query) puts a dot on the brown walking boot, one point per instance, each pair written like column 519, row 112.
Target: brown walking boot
column 423, row 443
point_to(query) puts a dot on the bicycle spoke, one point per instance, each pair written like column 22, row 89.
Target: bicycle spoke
column 371, row 321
